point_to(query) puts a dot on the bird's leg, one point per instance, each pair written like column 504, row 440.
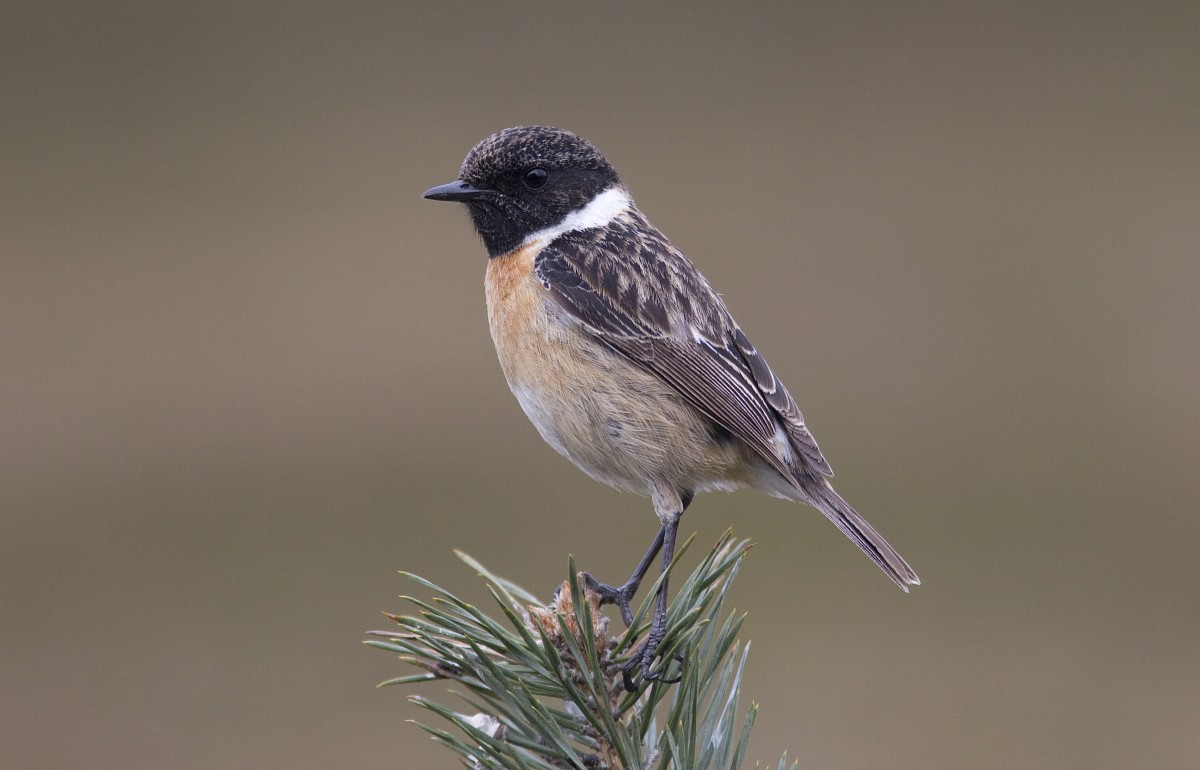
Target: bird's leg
column 658, row 628
column 621, row 596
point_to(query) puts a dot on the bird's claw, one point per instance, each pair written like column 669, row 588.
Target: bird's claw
column 644, row 659
column 610, row 595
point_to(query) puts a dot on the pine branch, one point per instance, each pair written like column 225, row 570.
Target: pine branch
column 543, row 683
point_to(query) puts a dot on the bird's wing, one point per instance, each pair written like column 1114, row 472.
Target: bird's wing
column 635, row 292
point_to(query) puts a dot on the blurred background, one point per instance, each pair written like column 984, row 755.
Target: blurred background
column 245, row 374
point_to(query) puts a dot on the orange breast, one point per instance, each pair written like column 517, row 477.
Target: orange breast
column 516, row 310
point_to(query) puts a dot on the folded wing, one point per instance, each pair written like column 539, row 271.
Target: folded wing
column 655, row 308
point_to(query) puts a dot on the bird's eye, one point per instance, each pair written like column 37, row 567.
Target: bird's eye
column 536, row 178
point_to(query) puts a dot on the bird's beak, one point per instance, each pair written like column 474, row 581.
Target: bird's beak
column 457, row 190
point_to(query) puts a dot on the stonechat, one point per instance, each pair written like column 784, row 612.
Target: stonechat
column 625, row 358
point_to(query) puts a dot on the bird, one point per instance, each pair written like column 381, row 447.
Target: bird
column 625, row 358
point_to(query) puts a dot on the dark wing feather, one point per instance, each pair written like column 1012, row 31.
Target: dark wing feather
column 642, row 297
column 783, row 404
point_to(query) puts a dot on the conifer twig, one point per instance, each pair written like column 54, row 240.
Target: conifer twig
column 542, row 685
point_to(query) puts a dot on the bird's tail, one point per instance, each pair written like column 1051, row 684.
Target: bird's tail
column 822, row 495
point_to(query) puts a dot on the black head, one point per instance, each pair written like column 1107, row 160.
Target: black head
column 521, row 180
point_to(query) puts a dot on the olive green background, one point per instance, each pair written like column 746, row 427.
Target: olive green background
column 245, row 375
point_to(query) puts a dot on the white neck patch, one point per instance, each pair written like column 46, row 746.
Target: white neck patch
column 602, row 209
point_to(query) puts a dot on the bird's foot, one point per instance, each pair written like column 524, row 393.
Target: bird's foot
column 644, row 659
column 620, row 596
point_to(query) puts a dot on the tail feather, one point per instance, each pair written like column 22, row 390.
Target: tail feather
column 855, row 527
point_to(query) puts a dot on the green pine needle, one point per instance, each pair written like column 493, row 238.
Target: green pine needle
column 543, row 682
